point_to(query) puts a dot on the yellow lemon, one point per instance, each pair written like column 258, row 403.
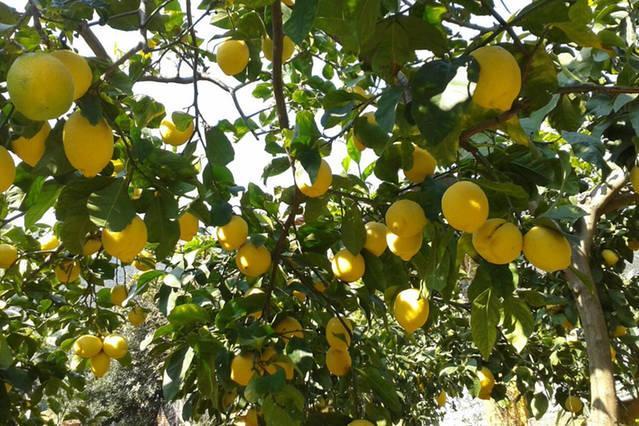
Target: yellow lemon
column 465, row 206
column 347, row 266
column 233, row 235
column 253, row 260
column 91, row 246
column 613, row 353
column 360, row 422
column 136, row 316
column 405, row 218
column 299, row 295
column 273, row 362
column 318, row 187
column 404, row 247
column 498, row 241
column 619, row 331
column 486, row 383
column 242, row 368
column 358, row 140
column 634, row 178
column 252, row 291
column 30, row 150
column 573, row 404
column 338, row 362
column 232, row 56
column 50, row 242
column 375, row 238
column 423, row 166
column 119, row 294
column 115, row 346
column 87, row 346
column 288, row 48
column 128, row 243
column 441, row 398
column 249, row 419
column 171, row 135
column 79, row 69
column 88, row 148
column 610, row 257
column 7, row 170
column 337, row 335
column 67, row 272
column 499, row 78
column 100, row 364
column 410, row 309
column 547, row 249
column 40, row 86
column 144, row 262
column 319, row 286
column 189, row 225
column 118, row 166
column 288, row 328
column 8, row 255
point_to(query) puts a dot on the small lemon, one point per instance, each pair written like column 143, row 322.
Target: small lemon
column 347, row 266
column 360, row 422
column 115, row 346
column 119, row 294
column 171, row 135
column 233, row 235
column 232, row 56
column 375, row 238
column 288, row 48
column 88, row 148
column 189, row 225
column 498, row 241
column 486, row 383
column 30, row 150
column 423, row 166
column 547, row 249
column 87, row 346
column 405, row 218
column 100, row 364
column 91, row 246
column 253, row 260
column 619, row 331
column 288, row 328
column 67, row 272
column 49, row 243
column 79, row 69
column 7, row 170
column 8, row 255
column 573, row 404
column 441, row 398
column 273, row 362
column 634, row 178
column 318, row 187
column 319, row 286
column 465, row 206
column 610, row 257
column 136, row 316
column 145, row 261
column 499, row 78
column 338, row 362
column 128, row 243
column 410, row 309
column 337, row 335
column 242, row 368
column 404, row 247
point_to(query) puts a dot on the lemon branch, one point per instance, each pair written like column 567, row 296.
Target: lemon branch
column 588, row 88
column 278, row 84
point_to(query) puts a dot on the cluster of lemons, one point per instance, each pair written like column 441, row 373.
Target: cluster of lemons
column 251, row 259
column 100, row 351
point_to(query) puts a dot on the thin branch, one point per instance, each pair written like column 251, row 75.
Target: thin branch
column 114, row 67
column 93, row 42
column 278, row 83
column 505, row 25
column 587, row 88
column 185, row 80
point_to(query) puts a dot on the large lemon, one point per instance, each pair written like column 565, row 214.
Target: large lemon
column 233, row 235
column 498, row 241
column 499, row 78
column 318, row 187
column 7, row 170
column 375, row 238
column 171, row 135
column 87, row 346
column 288, row 47
column 404, row 247
column 634, row 178
column 347, row 266
column 88, row 148
column 288, row 328
column 119, row 294
column 547, row 249
column 136, row 316
column 410, row 309
column 573, row 404
column 423, row 166
column 128, row 243
column 40, row 86
column 486, row 383
column 115, row 346
column 68, row 271
column 232, row 56
column 79, row 69
column 49, row 243
column 91, row 246
column 610, row 257
column 242, row 368
column 405, row 218
column 100, row 364
column 337, row 335
column 338, row 362
column 253, row 260
column 189, row 225
column 30, row 150
column 465, row 206
column 8, row 255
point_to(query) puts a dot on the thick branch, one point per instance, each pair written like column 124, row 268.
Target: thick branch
column 278, row 83
column 587, row 88
column 94, row 43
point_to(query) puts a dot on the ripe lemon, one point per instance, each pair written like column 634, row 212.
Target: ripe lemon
column 128, row 243
column 8, row 255
column 144, row 262
column 232, row 56
column 619, row 331
column 338, row 362
column 50, row 242
column 136, row 316
column 91, row 246
column 288, row 48
column 253, row 260
column 87, row 346
column 7, row 170
column 441, row 398
column 410, row 309
column 610, row 257
column 319, row 286
column 498, row 241
column 375, row 238
column 547, row 249
column 465, row 206
column 288, row 328
column 273, row 362
column 347, row 266
column 360, row 422
column 189, row 225
column 321, row 184
column 423, row 166
column 40, row 86
column 115, row 346
column 252, row 291
column 634, row 178
column 249, row 419
column 405, row 218
column 299, row 295
column 358, row 140
column 486, row 383
column 171, row 135
column 499, row 78
column 30, row 150
column 404, row 247
column 79, row 69
column 337, row 335
column 573, row 404
column 118, row 166
column 68, row 271
column 233, row 235
column 242, row 368
column 88, row 148
column 100, row 364
column 119, row 294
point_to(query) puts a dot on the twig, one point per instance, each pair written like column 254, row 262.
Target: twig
column 278, row 84
column 504, row 25
column 586, row 88
column 114, row 67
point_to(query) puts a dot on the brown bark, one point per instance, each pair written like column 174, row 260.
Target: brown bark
column 629, row 411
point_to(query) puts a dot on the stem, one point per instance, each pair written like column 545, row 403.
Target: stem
column 278, row 84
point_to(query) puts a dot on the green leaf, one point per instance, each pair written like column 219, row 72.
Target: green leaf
column 284, row 408
column 568, row 212
column 182, row 120
column 353, row 231
column 175, row 370
column 374, row 275
column 499, row 278
column 518, row 322
column 111, row 207
column 187, row 314
column 587, row 147
column 261, row 386
column 484, row 316
column 206, row 378
column 382, row 388
column 351, row 23
column 147, row 112
column 218, row 148
column 239, row 308
column 306, row 132
column 387, row 107
column 541, row 79
column 539, row 405
column 73, row 232
column 46, row 199
column 579, row 33
column 301, row 20
column 6, row 354
column 161, row 223
column 276, row 167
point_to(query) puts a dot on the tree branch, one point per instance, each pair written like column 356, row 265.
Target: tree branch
column 505, row 25
column 93, row 42
column 278, row 84
column 586, row 88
